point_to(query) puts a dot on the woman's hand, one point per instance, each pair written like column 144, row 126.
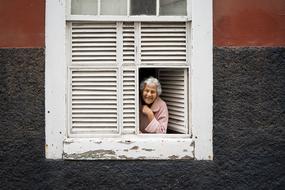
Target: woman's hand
column 148, row 112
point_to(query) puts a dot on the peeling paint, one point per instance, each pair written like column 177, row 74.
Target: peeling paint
column 106, row 154
column 148, row 149
column 173, row 157
column 187, row 157
column 126, row 149
column 126, row 142
column 46, row 147
column 125, row 157
column 193, row 145
column 68, row 142
column 134, row 148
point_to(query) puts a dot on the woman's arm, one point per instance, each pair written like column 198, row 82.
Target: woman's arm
column 158, row 122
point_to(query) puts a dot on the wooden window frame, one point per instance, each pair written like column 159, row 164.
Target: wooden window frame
column 198, row 146
column 126, row 17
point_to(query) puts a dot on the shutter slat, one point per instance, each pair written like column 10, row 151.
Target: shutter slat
column 151, row 48
column 106, row 46
column 92, row 115
column 94, row 53
column 90, row 40
column 160, row 30
column 96, row 124
column 178, row 40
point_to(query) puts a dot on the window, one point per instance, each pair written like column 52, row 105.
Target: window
column 95, row 61
column 103, row 74
column 128, row 7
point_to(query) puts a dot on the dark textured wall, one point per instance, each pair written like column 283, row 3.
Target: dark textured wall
column 249, row 120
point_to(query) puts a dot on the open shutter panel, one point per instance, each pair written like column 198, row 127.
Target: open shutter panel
column 93, row 43
column 174, row 93
column 94, row 104
column 163, row 43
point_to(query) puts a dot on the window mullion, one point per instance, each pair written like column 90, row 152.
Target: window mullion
column 119, row 55
column 157, row 7
column 128, row 7
column 99, row 7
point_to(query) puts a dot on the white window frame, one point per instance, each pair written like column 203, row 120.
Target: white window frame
column 199, row 146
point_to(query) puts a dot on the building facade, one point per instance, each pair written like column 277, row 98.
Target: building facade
column 248, row 108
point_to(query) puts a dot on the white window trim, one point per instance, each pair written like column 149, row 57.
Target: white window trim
column 201, row 97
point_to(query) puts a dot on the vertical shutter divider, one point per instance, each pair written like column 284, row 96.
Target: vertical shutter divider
column 120, row 73
column 129, row 79
column 137, row 27
column 188, row 43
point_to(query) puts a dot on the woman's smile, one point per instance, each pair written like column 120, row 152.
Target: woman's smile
column 149, row 93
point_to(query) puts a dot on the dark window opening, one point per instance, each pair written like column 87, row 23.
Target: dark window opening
column 145, row 7
column 174, row 83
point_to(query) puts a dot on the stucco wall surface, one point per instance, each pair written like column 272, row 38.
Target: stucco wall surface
column 249, row 120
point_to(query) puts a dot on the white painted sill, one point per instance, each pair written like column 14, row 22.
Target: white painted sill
column 129, row 148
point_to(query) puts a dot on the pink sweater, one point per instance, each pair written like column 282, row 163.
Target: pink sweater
column 160, row 121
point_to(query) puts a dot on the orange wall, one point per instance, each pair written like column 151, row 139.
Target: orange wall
column 236, row 23
column 249, row 22
column 22, row 23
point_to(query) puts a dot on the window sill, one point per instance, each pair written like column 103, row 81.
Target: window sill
column 125, row 148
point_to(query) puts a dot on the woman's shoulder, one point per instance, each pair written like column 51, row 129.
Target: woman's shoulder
column 161, row 102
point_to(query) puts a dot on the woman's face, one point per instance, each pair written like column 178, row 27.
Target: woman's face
column 149, row 93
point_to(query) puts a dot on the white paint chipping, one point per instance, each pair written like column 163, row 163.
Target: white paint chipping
column 128, row 148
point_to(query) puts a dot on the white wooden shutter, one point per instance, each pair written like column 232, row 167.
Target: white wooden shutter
column 174, row 84
column 163, row 43
column 128, row 43
column 93, row 43
column 94, row 101
column 129, row 100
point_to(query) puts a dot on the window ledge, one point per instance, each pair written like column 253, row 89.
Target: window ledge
column 128, row 149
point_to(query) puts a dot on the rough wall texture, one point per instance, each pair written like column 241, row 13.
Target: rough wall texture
column 249, row 119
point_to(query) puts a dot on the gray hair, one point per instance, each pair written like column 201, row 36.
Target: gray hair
column 151, row 80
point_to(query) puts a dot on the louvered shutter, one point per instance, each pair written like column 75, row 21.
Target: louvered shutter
column 96, row 47
column 128, row 43
column 174, row 84
column 163, row 43
column 94, row 101
column 129, row 100
column 129, row 79
column 93, row 43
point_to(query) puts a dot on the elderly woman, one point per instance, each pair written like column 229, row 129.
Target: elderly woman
column 153, row 110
